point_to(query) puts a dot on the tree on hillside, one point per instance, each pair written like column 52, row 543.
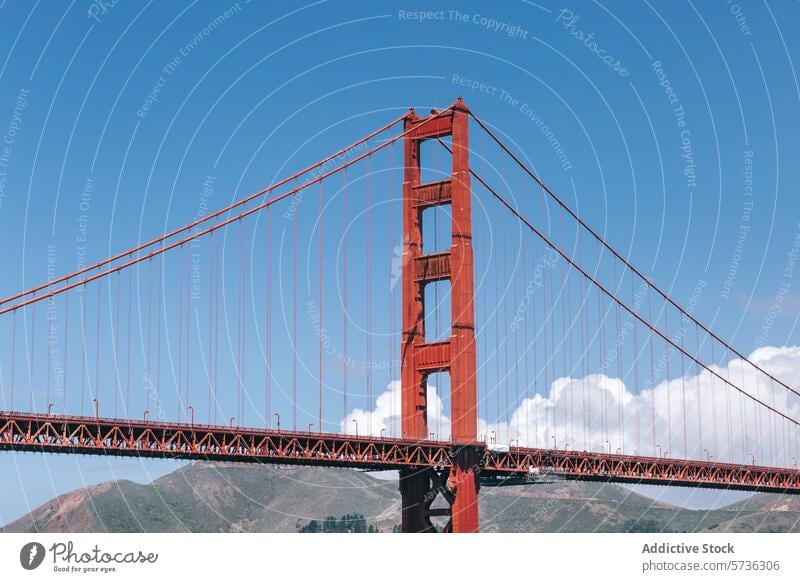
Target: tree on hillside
column 348, row 523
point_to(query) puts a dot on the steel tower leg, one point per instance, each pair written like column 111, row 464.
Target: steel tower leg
column 420, row 489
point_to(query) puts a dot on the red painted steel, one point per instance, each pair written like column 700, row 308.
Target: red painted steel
column 117, row 437
column 591, row 466
column 457, row 355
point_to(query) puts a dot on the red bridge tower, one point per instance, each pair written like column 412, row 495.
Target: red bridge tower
column 456, row 355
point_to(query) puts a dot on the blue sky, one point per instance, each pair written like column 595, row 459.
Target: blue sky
column 658, row 110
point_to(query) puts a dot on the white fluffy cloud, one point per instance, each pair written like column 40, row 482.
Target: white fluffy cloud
column 599, row 413
column 386, row 415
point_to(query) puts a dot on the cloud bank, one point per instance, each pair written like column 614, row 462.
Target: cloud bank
column 696, row 416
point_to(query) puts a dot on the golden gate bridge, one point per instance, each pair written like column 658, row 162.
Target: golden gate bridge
column 524, row 343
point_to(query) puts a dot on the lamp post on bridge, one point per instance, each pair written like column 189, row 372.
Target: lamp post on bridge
column 310, row 426
column 49, row 409
column 96, row 408
column 232, row 419
column 191, row 413
column 494, row 436
column 146, row 413
column 278, row 416
column 356, row 423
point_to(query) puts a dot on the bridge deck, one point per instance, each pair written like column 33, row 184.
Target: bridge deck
column 108, row 436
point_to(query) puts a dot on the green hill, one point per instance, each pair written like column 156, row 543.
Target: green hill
column 218, row 497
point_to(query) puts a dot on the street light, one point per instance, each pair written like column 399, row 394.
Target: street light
column 232, row 419
column 310, row 424
column 609, row 446
column 383, row 430
column 49, row 409
column 494, row 437
column 555, row 445
column 146, row 412
column 191, row 411
column 660, row 456
column 708, row 454
column 96, row 408
column 356, row 423
column 278, row 416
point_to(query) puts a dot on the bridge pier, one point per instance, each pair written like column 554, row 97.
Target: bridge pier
column 464, row 482
column 458, row 488
column 415, row 490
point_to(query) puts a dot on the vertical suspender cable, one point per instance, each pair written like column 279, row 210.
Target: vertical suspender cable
column 637, row 393
column 32, row 353
column 669, row 396
column 545, row 353
column 294, row 317
column 618, row 357
column 97, row 345
column 344, row 294
column 683, row 397
column 13, row 353
column 240, row 328
column 128, row 342
column 84, row 363
column 117, row 382
column 268, row 330
column 505, row 329
column 48, row 330
column 368, row 271
column 603, row 403
column 526, row 282
column 319, row 298
column 209, row 357
column 496, row 314
column 179, row 383
column 391, row 337
column 535, row 357
column 585, row 401
column 158, row 341
column 516, row 347
column 566, row 324
column 651, row 380
column 189, row 253
column 219, row 272
column 697, row 383
column 149, row 315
